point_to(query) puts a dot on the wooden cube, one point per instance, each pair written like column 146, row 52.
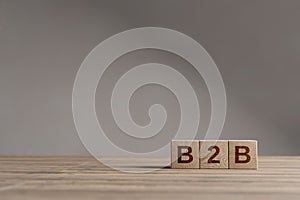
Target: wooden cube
column 185, row 154
column 242, row 154
column 214, row 154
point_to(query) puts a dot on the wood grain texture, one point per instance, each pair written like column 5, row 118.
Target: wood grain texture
column 77, row 178
column 185, row 157
column 240, row 151
column 213, row 154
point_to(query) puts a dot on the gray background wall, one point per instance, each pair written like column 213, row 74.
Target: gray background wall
column 255, row 44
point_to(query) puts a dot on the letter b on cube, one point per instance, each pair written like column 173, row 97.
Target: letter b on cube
column 242, row 154
column 185, row 154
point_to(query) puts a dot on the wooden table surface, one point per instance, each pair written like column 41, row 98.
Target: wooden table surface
column 85, row 178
